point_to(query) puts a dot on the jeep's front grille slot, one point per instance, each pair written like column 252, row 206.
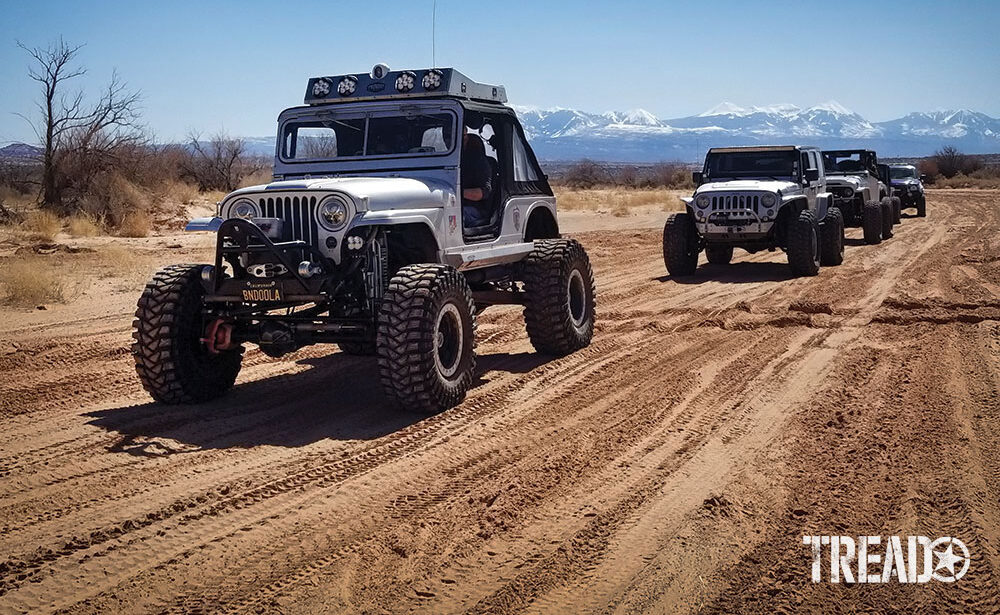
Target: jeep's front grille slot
column 297, row 215
column 736, row 203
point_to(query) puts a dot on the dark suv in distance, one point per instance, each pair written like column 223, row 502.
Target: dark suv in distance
column 907, row 184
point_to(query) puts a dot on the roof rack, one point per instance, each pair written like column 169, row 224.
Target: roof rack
column 383, row 83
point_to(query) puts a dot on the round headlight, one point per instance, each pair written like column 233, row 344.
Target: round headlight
column 848, row 192
column 405, row 81
column 332, row 213
column 702, row 201
column 432, row 79
column 321, row 88
column 245, row 209
column 347, row 86
column 767, row 200
column 915, row 187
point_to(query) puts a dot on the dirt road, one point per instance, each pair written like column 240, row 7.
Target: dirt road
column 673, row 466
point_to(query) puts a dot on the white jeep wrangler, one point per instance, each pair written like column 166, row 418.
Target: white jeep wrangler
column 757, row 198
column 860, row 191
column 360, row 240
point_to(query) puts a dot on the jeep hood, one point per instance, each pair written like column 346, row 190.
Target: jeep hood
column 377, row 192
column 849, row 181
column 909, row 181
column 739, row 185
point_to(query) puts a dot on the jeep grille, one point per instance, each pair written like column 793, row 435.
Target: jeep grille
column 736, row 202
column 297, row 213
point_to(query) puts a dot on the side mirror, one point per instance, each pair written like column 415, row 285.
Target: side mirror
column 696, row 178
column 812, row 175
column 923, row 177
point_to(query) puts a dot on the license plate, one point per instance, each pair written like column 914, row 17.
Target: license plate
column 257, row 293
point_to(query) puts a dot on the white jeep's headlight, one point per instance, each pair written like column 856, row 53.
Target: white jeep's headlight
column 244, row 208
column 332, row 213
column 702, row 201
column 767, row 200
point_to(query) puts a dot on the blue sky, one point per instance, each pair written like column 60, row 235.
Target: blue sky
column 234, row 65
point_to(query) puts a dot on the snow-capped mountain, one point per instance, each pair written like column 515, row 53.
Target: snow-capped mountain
column 638, row 135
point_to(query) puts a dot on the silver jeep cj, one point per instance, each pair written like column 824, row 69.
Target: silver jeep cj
column 361, row 240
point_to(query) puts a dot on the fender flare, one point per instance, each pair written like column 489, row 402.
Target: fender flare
column 541, row 210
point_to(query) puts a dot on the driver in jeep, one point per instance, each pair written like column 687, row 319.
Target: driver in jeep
column 477, row 181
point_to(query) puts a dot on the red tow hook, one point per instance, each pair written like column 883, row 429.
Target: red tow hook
column 218, row 336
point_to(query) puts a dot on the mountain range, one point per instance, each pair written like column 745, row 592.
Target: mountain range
column 639, row 136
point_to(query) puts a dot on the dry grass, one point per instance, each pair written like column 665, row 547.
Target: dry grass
column 178, row 192
column 619, row 201
column 32, row 282
column 43, row 225
column 83, row 225
column 135, row 224
column 976, row 180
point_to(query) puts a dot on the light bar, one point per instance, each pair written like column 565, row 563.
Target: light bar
column 385, row 83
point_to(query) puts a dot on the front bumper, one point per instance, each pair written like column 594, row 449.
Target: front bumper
column 734, row 226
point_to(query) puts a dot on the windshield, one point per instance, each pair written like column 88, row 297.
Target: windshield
column 902, row 173
column 379, row 135
column 752, row 164
column 844, row 163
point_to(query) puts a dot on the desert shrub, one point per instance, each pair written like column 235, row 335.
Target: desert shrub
column 31, row 282
column 586, row 174
column 950, row 162
column 112, row 198
column 82, row 225
column 135, row 224
column 43, row 225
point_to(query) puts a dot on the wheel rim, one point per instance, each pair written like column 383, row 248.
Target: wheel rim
column 448, row 340
column 577, row 295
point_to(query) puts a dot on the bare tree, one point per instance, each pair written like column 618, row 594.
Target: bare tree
column 220, row 163
column 66, row 121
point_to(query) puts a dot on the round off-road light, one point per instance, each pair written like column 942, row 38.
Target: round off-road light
column 702, row 201
column 432, row 79
column 332, row 213
column 347, row 86
column 767, row 200
column 321, row 88
column 405, row 81
column 246, row 209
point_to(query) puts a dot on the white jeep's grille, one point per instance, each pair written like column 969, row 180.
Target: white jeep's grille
column 736, row 203
column 297, row 213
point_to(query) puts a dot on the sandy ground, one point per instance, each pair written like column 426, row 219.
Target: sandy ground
column 673, row 466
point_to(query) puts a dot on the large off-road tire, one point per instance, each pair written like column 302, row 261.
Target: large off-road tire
column 897, row 210
column 831, row 235
column 426, row 338
column 559, row 307
column 886, row 205
column 871, row 222
column 803, row 244
column 172, row 362
column 719, row 255
column 921, row 206
column 680, row 244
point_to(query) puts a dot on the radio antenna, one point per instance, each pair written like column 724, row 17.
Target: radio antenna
column 434, row 7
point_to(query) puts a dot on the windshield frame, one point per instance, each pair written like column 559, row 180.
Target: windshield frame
column 367, row 112
column 795, row 176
